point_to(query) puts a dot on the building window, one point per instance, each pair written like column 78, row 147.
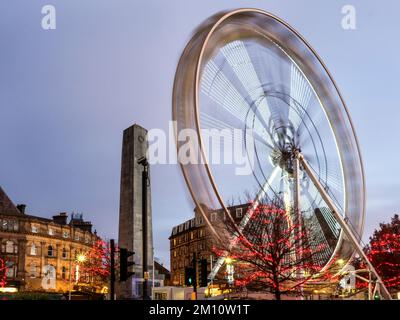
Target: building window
column 63, row 272
column 77, row 237
column 160, row 296
column 174, row 242
column 213, row 216
column 191, row 235
column 51, row 232
column 11, row 269
column 33, row 250
column 50, row 251
column 175, row 253
column 64, row 253
column 201, row 233
column 239, row 212
column 33, row 270
column 10, row 247
column 34, row 229
column 9, row 225
column 65, row 234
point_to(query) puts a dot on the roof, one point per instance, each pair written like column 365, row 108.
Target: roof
column 160, row 268
column 193, row 223
column 6, row 205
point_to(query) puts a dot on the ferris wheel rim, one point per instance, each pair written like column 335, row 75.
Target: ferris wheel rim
column 197, row 85
column 198, row 72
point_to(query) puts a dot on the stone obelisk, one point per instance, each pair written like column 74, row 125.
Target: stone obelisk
column 134, row 147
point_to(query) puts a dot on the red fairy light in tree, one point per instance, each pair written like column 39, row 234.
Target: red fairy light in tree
column 274, row 251
column 3, row 273
column 96, row 263
column 384, row 252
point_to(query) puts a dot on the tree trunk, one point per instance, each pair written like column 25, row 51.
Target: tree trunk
column 277, row 286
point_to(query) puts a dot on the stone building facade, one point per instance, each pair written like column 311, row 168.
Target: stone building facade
column 40, row 253
column 193, row 236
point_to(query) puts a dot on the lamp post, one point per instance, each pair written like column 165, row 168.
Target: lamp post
column 230, row 274
column 81, row 258
column 145, row 179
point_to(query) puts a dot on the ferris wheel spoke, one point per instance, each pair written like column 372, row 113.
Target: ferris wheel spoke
column 220, row 89
column 287, row 199
column 247, row 217
column 239, row 60
column 300, row 94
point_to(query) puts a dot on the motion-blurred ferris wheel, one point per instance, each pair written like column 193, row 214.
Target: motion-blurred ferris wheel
column 248, row 69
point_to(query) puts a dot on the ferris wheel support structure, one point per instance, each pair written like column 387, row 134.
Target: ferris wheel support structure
column 379, row 285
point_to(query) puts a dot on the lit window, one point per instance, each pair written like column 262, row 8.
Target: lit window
column 33, row 270
column 34, row 229
column 11, row 269
column 11, row 247
column 33, row 250
column 63, row 272
column 191, row 235
column 174, row 242
column 51, row 232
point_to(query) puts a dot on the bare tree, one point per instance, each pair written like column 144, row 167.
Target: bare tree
column 275, row 250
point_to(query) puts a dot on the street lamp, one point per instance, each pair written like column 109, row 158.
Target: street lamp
column 228, row 260
column 80, row 258
column 340, row 262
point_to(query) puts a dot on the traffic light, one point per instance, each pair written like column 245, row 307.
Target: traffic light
column 203, row 273
column 124, row 264
column 189, row 276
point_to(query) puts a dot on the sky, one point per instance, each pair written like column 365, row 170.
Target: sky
column 67, row 94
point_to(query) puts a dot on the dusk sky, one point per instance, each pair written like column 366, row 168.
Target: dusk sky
column 67, row 94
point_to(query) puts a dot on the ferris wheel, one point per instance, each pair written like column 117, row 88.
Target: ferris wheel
column 247, row 69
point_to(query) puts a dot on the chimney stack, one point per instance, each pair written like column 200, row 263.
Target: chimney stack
column 61, row 218
column 21, row 208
